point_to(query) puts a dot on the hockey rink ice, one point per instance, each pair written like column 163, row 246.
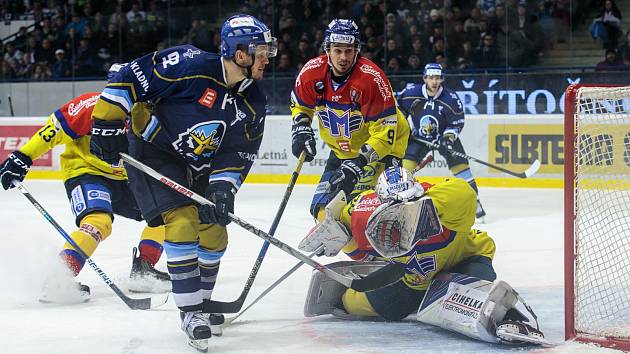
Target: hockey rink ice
column 526, row 224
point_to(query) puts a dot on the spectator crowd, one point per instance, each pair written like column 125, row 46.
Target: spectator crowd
column 82, row 38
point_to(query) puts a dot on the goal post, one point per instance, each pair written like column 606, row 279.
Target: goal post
column 597, row 215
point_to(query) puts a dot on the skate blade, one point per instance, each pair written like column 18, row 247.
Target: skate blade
column 217, row 330
column 199, row 344
column 510, row 336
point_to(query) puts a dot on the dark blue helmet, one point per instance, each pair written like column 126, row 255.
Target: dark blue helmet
column 342, row 31
column 248, row 31
column 433, row 69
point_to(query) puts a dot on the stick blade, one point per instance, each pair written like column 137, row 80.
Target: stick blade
column 532, row 169
column 387, row 275
column 148, row 303
column 212, row 306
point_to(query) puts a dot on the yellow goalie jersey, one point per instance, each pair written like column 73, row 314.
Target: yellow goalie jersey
column 455, row 202
column 71, row 125
column 360, row 111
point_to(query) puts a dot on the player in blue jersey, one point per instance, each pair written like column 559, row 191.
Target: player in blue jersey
column 436, row 115
column 197, row 118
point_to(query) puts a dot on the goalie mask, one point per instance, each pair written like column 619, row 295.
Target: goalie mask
column 398, row 185
column 393, row 229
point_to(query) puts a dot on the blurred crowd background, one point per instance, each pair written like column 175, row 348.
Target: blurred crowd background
column 64, row 39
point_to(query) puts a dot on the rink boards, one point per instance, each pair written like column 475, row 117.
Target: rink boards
column 509, row 141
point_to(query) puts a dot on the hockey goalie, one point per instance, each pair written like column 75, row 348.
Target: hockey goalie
column 449, row 280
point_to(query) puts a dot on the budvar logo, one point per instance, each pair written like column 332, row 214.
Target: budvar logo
column 383, row 87
column 75, row 108
column 311, row 64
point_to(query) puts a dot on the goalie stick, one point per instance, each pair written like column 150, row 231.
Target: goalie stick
column 134, row 304
column 531, row 170
column 236, row 305
column 384, row 276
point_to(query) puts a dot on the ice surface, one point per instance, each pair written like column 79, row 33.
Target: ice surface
column 525, row 223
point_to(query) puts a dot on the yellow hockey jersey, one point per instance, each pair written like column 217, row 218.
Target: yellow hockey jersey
column 360, row 111
column 70, row 125
column 455, row 202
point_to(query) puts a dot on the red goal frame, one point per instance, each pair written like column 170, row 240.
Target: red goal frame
column 569, row 219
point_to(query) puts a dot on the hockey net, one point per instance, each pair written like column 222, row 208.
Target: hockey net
column 597, row 215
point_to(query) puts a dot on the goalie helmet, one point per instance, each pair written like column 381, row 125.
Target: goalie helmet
column 247, row 31
column 397, row 184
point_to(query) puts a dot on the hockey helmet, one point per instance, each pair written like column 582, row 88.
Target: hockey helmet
column 397, row 184
column 433, row 69
column 248, row 31
column 342, row 31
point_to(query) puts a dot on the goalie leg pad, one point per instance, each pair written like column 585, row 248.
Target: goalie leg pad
column 466, row 305
column 324, row 294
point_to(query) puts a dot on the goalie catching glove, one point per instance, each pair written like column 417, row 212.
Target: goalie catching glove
column 329, row 233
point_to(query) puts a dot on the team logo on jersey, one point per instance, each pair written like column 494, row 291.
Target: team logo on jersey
column 429, row 127
column 421, row 267
column 345, row 121
column 200, row 142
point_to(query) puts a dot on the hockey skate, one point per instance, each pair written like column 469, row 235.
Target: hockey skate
column 197, row 327
column 519, row 333
column 480, row 214
column 58, row 291
column 146, row 279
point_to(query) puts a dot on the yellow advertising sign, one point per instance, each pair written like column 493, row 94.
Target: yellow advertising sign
column 516, row 146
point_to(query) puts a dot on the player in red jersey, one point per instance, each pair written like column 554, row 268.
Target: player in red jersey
column 357, row 114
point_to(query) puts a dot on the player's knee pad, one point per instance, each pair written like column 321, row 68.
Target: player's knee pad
column 181, row 224
column 467, row 305
column 93, row 228
column 213, row 237
column 357, row 303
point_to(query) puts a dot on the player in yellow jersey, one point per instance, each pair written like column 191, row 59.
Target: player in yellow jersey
column 428, row 229
column 96, row 191
column 358, row 119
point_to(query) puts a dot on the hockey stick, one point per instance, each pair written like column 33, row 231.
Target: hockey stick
column 236, row 305
column 228, row 321
column 385, row 276
column 531, row 170
column 134, row 304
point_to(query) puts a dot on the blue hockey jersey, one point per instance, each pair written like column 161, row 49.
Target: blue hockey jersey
column 430, row 117
column 217, row 130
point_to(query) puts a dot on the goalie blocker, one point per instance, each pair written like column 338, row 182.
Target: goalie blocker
column 456, row 302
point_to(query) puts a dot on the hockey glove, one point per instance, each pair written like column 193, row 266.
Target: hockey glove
column 303, row 139
column 347, row 175
column 108, row 140
column 15, row 167
column 446, row 144
column 220, row 193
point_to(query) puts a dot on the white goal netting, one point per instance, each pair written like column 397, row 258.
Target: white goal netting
column 602, row 212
